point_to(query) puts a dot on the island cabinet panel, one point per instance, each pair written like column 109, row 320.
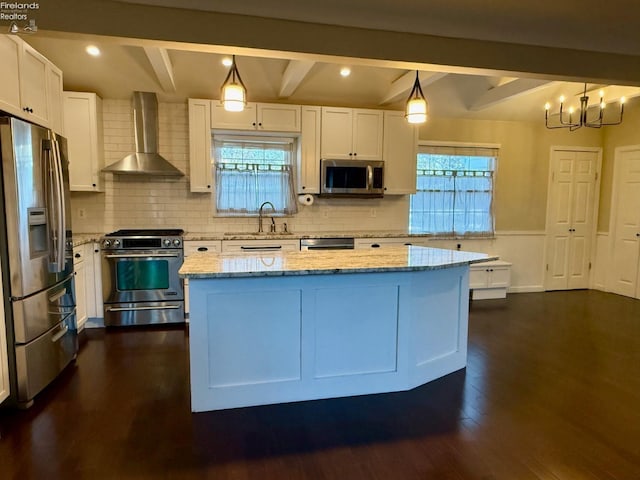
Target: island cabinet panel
column 262, row 342
column 356, row 330
column 271, row 339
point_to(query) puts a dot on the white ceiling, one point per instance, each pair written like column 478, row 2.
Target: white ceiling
column 196, row 70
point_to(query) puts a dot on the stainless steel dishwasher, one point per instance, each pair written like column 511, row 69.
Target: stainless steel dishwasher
column 334, row 243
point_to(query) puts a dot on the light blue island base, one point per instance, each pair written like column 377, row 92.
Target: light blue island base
column 258, row 340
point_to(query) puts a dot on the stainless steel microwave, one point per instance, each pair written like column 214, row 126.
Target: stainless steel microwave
column 351, row 178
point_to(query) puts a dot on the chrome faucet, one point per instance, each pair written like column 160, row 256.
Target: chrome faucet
column 273, row 222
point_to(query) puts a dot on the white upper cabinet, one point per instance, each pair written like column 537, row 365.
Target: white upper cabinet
column 308, row 178
column 55, row 99
column 10, row 79
column 351, row 133
column 33, row 85
column 200, row 174
column 85, row 140
column 399, row 154
column 30, row 86
column 268, row 117
column 278, row 118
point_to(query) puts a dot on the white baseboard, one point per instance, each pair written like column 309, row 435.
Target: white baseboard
column 526, row 289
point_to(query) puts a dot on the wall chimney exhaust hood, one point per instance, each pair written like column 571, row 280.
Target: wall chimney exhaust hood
column 146, row 160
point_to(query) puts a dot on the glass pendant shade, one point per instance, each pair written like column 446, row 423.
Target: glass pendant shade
column 233, row 95
column 416, row 109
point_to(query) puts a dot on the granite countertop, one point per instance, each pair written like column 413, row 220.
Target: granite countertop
column 82, row 238
column 203, row 236
column 325, row 262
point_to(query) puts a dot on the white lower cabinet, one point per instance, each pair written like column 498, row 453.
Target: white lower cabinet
column 4, row 360
column 489, row 279
column 87, row 265
column 261, row 246
column 80, row 272
column 195, row 246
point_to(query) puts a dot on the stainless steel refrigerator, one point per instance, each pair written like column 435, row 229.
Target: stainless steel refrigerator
column 37, row 257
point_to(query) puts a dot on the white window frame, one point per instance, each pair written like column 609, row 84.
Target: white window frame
column 255, row 138
column 461, row 148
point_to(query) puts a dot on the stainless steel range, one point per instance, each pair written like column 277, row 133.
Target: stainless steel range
column 140, row 277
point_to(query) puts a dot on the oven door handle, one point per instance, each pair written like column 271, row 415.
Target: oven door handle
column 141, row 255
column 133, row 309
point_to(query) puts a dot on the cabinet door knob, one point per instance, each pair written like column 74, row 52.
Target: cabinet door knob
column 208, row 186
column 303, row 187
column 355, row 154
column 350, row 154
column 77, row 255
column 637, row 234
column 254, row 124
column 94, row 184
column 260, row 124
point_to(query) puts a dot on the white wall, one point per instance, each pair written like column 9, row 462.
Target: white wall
column 152, row 202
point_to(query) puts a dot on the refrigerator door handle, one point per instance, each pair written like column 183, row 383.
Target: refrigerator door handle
column 51, row 201
column 62, row 221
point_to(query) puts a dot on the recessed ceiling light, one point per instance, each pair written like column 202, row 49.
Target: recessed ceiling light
column 345, row 71
column 227, row 62
column 93, row 50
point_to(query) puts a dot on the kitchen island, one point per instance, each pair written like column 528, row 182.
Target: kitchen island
column 287, row 326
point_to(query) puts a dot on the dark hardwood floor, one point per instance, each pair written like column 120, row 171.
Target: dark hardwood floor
column 551, row 392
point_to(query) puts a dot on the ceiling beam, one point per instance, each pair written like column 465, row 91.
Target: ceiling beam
column 293, row 76
column 159, row 59
column 508, row 91
column 612, row 94
column 403, row 85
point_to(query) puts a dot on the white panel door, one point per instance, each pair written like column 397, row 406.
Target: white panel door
column 626, row 227
column 570, row 218
column 582, row 219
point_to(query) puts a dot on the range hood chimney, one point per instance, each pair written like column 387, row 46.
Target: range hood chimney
column 146, row 160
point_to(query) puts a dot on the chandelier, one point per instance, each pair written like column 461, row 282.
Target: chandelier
column 581, row 118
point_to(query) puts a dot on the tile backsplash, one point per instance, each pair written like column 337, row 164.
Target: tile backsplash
column 158, row 202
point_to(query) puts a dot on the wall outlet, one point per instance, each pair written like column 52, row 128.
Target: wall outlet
column 372, row 213
column 82, row 213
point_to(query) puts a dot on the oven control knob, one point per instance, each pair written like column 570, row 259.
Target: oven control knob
column 167, row 242
column 176, row 242
column 116, row 243
column 106, row 243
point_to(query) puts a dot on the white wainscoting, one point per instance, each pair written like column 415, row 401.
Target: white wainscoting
column 524, row 249
column 602, row 259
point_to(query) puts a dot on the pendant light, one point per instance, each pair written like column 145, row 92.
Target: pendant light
column 416, row 110
column 233, row 93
